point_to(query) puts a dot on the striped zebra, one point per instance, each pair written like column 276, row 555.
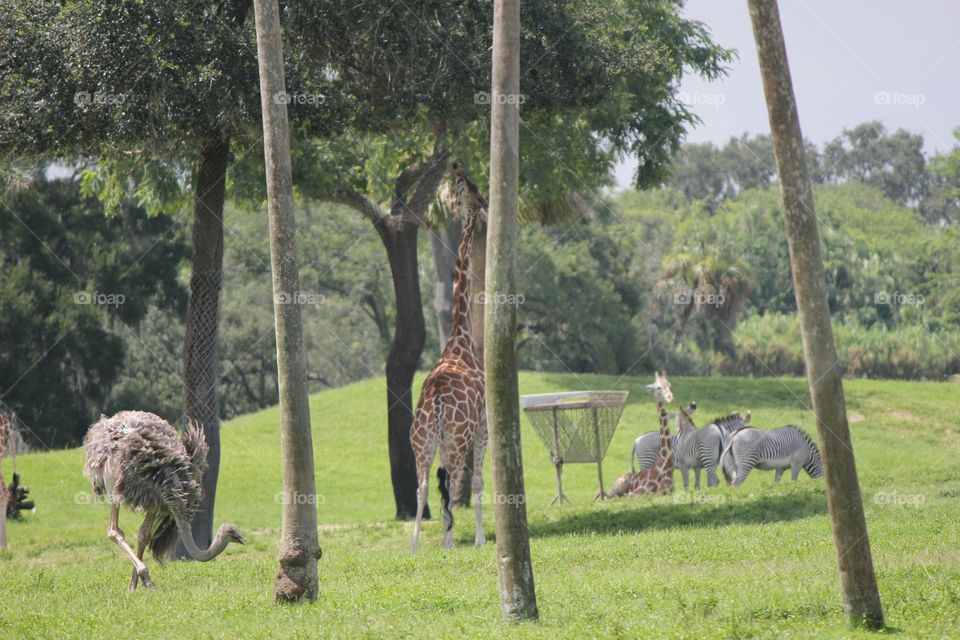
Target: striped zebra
column 646, row 448
column 710, row 441
column 778, row 449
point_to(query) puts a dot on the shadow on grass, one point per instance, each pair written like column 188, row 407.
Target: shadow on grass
column 682, row 513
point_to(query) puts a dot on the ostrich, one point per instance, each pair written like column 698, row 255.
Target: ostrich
column 137, row 459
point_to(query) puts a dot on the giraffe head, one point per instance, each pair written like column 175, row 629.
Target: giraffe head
column 661, row 387
column 469, row 198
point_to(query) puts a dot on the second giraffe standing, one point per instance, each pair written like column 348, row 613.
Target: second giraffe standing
column 450, row 413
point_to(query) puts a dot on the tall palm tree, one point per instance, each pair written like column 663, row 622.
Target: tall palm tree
column 857, row 578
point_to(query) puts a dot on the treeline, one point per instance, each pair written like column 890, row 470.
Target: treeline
column 693, row 276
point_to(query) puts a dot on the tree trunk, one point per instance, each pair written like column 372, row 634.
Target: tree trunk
column 410, row 333
column 201, row 353
column 518, row 598
column 443, row 244
column 861, row 598
column 299, row 548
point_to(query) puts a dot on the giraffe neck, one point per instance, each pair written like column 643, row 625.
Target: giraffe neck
column 460, row 325
column 665, row 458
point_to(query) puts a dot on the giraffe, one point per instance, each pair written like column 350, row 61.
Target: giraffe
column 450, row 411
column 658, row 479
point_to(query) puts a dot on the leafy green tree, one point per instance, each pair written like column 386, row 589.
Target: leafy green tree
column 74, row 283
column 893, row 162
column 942, row 204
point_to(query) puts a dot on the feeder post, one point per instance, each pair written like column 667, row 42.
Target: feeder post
column 596, row 441
column 557, row 460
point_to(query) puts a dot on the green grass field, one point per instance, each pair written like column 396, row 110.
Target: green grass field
column 754, row 562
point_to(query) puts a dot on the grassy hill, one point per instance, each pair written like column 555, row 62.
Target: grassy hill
column 757, row 561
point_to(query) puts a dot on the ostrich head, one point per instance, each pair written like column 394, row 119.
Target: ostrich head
column 229, row 532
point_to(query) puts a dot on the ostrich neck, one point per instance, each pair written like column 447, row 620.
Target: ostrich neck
column 203, row 555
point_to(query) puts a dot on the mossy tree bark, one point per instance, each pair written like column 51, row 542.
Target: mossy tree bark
column 299, row 549
column 518, row 598
column 861, row 598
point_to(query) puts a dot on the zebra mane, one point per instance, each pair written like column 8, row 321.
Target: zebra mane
column 728, row 419
column 805, row 435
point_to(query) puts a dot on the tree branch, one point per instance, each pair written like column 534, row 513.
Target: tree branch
column 370, row 210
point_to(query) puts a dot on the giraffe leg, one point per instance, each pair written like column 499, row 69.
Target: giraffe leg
column 115, row 534
column 479, row 449
column 142, row 536
column 422, row 487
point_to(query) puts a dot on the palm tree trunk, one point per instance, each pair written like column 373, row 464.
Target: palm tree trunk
column 518, row 598
column 201, row 353
column 299, row 549
column 861, row 597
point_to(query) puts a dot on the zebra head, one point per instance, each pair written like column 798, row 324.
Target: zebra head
column 685, row 418
column 661, row 387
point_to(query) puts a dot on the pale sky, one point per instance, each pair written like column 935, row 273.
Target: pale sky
column 897, row 61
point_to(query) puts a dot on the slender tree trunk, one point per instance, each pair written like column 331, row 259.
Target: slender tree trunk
column 299, row 549
column 861, row 597
column 443, row 245
column 201, row 353
column 518, row 598
column 410, row 333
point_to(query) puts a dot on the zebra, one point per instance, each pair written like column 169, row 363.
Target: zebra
column 702, row 451
column 710, row 441
column 778, row 449
column 646, row 448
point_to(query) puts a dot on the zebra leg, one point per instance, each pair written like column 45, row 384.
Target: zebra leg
column 794, row 472
column 712, row 480
column 696, row 477
column 685, row 471
column 777, row 473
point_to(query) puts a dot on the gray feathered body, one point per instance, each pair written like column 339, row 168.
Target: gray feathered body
column 138, row 459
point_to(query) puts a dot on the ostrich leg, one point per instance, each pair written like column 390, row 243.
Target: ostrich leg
column 142, row 536
column 115, row 534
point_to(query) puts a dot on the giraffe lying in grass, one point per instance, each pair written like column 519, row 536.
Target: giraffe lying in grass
column 658, row 479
